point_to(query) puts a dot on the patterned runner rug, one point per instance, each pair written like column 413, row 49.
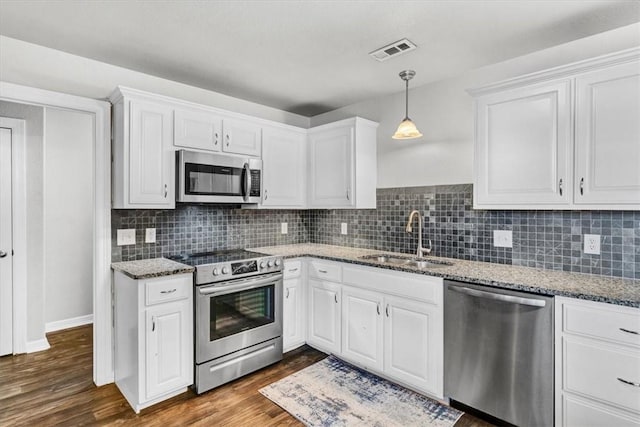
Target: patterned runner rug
column 334, row 393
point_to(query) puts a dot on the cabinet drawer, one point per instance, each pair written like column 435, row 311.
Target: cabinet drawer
column 325, row 271
column 598, row 320
column 582, row 413
column 593, row 368
column 168, row 289
column 292, row 269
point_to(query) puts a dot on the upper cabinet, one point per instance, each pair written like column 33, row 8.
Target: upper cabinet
column 342, row 165
column 567, row 138
column 200, row 129
column 143, row 160
column 284, row 158
column 242, row 137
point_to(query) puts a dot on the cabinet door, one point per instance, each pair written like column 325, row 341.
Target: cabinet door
column 413, row 338
column 151, row 156
column 362, row 327
column 331, row 177
column 242, row 137
column 169, row 347
column 523, row 147
column 608, row 136
column 324, row 315
column 284, row 168
column 197, row 129
column 294, row 314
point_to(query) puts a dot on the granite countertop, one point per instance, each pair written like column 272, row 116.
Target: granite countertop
column 546, row 282
column 148, row 268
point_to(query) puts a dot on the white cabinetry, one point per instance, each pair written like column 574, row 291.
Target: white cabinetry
column 242, row 137
column 342, row 165
column 197, row 128
column 362, row 327
column 143, row 156
column 153, row 337
column 608, row 136
column 284, row 168
column 597, row 364
column 294, row 307
column 325, row 310
column 566, row 138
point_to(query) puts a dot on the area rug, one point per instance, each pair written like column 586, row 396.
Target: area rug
column 335, row 393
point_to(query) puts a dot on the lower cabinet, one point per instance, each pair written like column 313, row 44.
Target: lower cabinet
column 294, row 306
column 324, row 315
column 153, row 337
column 362, row 327
column 597, row 364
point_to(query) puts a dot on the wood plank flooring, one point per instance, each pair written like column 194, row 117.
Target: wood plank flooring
column 55, row 387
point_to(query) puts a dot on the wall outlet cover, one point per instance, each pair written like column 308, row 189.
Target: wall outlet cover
column 592, row 244
column 503, row 238
column 343, row 228
column 126, row 236
column 150, row 235
column 284, row 228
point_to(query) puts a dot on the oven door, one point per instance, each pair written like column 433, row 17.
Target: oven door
column 236, row 314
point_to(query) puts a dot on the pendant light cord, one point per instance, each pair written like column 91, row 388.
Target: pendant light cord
column 406, row 99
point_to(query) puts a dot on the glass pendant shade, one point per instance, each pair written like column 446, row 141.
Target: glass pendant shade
column 407, row 129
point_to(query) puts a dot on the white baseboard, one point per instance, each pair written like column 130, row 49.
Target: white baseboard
column 37, row 345
column 68, row 323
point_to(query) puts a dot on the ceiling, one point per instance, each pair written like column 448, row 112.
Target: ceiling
column 306, row 57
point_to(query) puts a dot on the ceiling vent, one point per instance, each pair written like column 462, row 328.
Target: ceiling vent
column 393, row 49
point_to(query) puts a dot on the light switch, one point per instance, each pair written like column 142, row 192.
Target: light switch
column 126, row 237
column 343, row 228
column 284, row 228
column 150, row 235
column 503, row 238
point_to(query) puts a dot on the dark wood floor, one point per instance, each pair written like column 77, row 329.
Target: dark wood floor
column 55, row 387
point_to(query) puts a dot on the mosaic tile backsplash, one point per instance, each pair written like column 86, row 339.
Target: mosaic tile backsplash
column 542, row 239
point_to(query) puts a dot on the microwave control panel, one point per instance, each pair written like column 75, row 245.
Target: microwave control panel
column 255, row 184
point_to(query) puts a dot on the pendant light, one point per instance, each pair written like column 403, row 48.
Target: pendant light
column 407, row 129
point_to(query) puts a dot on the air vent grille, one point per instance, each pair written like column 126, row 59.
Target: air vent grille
column 393, row 49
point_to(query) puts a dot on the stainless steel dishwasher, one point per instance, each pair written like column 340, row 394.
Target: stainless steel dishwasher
column 498, row 352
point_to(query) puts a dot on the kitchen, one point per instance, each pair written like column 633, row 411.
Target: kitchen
column 431, row 174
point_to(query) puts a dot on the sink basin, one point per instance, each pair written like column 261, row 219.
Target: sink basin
column 398, row 260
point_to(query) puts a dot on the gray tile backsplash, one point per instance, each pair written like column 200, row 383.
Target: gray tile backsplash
column 542, row 239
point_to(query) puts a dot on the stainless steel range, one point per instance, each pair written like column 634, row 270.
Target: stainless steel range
column 238, row 314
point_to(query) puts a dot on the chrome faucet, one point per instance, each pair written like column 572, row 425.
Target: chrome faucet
column 420, row 251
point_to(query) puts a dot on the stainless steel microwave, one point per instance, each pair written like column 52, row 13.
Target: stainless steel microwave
column 217, row 178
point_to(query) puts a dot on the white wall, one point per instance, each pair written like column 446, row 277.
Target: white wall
column 34, row 128
column 68, row 215
column 443, row 112
column 41, row 67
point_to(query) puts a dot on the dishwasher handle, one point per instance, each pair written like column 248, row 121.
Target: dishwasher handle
column 499, row 297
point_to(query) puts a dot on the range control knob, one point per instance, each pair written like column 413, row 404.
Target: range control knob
column 215, row 272
column 270, row 263
column 225, row 270
column 277, row 263
column 262, row 264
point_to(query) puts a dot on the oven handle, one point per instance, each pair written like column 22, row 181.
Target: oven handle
column 239, row 286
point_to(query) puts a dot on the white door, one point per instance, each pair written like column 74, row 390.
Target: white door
column 197, row 129
column 523, row 147
column 6, row 244
column 414, row 344
column 608, row 136
column 362, row 327
column 324, row 315
column 242, row 137
column 331, row 178
column 293, row 314
column 284, row 168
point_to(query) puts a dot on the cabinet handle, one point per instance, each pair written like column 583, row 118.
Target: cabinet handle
column 560, row 186
column 165, row 191
column 215, row 138
column 287, row 296
column 292, row 270
column 347, row 194
column 629, row 331
column 378, row 308
column 629, row 382
column 386, row 310
column 335, row 297
column 168, row 292
column 228, row 139
column 266, row 195
column 322, row 271
column 582, row 186
column 153, row 324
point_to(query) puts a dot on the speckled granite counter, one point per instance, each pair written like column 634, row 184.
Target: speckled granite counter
column 154, row 267
column 547, row 282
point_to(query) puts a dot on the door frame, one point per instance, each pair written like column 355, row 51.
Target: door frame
column 19, row 233
column 102, row 314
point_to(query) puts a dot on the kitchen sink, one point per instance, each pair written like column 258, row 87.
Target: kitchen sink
column 398, row 260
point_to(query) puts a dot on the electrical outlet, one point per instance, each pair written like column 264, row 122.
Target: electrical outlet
column 126, row 237
column 284, row 228
column 343, row 228
column 592, row 244
column 503, row 238
column 150, row 235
